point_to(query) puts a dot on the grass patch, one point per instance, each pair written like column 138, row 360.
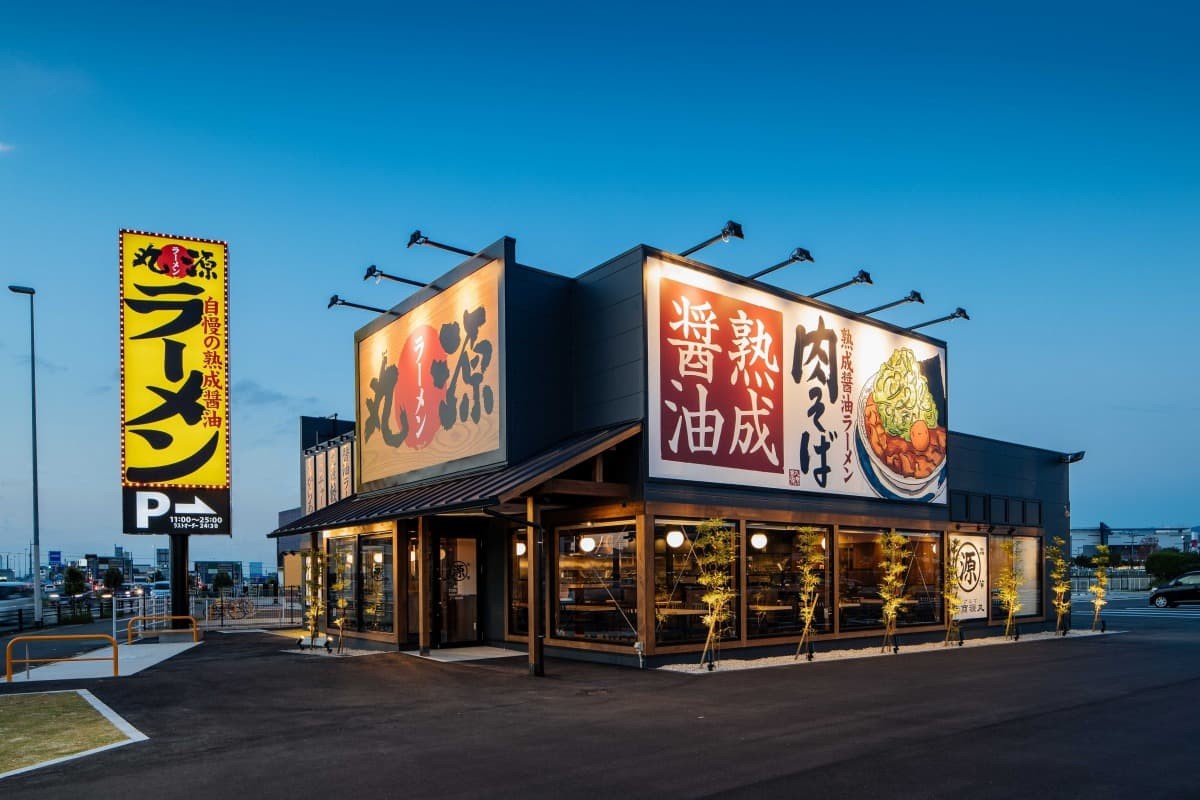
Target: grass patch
column 37, row 727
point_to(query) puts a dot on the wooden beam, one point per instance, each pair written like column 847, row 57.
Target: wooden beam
column 587, row 488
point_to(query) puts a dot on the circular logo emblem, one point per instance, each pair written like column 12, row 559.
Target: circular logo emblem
column 968, row 567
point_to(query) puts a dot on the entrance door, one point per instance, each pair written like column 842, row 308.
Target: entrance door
column 458, row 591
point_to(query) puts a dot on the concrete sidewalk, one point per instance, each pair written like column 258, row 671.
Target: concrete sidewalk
column 131, row 659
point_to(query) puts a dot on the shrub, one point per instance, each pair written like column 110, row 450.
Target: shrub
column 1169, row 564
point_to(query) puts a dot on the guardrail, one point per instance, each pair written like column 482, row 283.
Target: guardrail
column 169, row 617
column 9, row 660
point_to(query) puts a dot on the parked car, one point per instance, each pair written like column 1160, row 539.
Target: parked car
column 1184, row 589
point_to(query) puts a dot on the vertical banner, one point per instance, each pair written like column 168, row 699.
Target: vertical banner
column 322, row 476
column 347, row 456
column 175, row 457
column 310, row 484
column 335, row 484
column 971, row 567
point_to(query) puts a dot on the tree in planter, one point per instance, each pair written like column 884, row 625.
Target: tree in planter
column 1099, row 589
column 338, row 589
column 952, row 591
column 894, row 566
column 1060, row 583
column 810, row 566
column 1008, row 586
column 314, row 592
column 715, row 550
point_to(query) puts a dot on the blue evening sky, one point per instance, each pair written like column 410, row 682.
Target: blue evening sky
column 1036, row 163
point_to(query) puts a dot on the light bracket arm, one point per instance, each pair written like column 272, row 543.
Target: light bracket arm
column 732, row 230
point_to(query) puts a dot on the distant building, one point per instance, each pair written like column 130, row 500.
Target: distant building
column 206, row 571
column 162, row 561
column 1133, row 544
column 256, row 571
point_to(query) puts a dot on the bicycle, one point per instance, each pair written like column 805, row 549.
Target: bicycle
column 233, row 608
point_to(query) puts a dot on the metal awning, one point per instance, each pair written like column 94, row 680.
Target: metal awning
column 464, row 493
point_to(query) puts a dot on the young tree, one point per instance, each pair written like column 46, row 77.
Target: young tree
column 222, row 581
column 891, row 586
column 1060, row 577
column 74, row 581
column 716, row 550
column 1099, row 589
column 810, row 569
column 952, row 591
column 314, row 592
column 1008, row 585
column 113, row 579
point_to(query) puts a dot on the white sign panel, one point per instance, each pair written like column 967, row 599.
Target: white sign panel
column 749, row 388
column 971, row 568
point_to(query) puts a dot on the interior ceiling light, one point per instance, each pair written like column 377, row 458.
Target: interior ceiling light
column 862, row 277
column 732, row 230
column 913, row 297
column 959, row 313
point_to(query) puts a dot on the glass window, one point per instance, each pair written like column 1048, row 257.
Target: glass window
column 860, row 572
column 596, row 582
column 1027, row 555
column 678, row 595
column 340, row 583
column 518, row 585
column 773, row 578
column 375, row 578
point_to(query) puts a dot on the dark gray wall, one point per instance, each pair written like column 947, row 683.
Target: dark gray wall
column 537, row 307
column 608, row 349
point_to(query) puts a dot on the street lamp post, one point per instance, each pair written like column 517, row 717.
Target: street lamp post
column 37, row 545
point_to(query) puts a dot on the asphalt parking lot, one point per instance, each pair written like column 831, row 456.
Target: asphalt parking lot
column 1074, row 717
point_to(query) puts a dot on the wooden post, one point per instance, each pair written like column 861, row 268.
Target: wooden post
column 647, row 623
column 534, row 544
column 424, row 585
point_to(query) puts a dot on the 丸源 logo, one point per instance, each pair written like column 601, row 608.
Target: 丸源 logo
column 968, row 567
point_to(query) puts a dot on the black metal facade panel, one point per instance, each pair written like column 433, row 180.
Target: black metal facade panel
column 480, row 490
column 608, row 368
column 987, row 466
column 538, row 398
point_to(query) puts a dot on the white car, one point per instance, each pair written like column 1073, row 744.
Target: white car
column 160, row 589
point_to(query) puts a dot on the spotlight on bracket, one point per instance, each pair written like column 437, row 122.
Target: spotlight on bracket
column 799, row 254
column 337, row 301
column 732, row 230
column 862, row 277
column 419, row 238
column 913, row 297
column 958, row 313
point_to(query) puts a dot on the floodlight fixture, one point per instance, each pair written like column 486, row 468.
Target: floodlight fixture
column 1072, row 458
column 378, row 274
column 732, row 230
column 799, row 254
column 337, row 301
column 21, row 290
column 959, row 313
column 419, row 238
column 862, row 277
column 913, row 297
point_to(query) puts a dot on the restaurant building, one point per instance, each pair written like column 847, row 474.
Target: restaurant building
column 533, row 453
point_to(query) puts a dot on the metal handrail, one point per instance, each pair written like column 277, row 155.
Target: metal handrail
column 9, row 660
column 195, row 630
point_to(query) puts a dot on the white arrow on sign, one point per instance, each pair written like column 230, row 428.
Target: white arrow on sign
column 198, row 507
